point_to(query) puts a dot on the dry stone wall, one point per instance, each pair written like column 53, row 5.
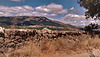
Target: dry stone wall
column 10, row 40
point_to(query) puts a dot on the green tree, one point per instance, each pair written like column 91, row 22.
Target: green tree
column 90, row 29
column 93, row 8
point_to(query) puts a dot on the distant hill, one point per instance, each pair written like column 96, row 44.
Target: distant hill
column 31, row 21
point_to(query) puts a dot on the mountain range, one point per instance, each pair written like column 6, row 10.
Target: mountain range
column 33, row 21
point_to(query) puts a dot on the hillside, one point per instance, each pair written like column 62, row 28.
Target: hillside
column 32, row 21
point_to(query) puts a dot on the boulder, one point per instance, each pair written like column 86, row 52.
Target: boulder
column 2, row 55
column 1, row 40
column 9, row 50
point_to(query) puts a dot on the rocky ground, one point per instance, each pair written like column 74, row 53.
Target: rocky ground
column 11, row 40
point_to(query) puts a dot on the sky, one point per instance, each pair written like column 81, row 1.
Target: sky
column 66, row 11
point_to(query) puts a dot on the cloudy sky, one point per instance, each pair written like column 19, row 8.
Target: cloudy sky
column 67, row 11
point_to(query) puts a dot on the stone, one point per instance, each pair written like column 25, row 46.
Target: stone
column 7, row 40
column 10, row 50
column 1, row 45
column 19, row 45
column 2, row 55
column 1, row 40
column 11, row 44
column 2, row 50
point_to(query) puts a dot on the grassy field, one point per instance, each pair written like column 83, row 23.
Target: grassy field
column 82, row 44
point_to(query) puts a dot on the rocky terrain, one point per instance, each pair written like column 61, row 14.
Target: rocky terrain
column 11, row 40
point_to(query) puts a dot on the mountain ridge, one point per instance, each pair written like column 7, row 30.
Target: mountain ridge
column 32, row 21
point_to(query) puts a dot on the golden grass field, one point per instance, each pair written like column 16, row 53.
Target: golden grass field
column 58, row 46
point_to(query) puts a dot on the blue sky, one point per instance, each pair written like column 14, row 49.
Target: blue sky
column 67, row 4
column 35, row 3
column 67, row 11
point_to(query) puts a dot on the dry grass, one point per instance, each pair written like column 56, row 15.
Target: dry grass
column 58, row 46
column 27, row 51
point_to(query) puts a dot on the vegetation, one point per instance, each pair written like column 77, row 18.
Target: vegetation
column 92, row 7
column 26, row 21
column 90, row 29
column 57, row 46
column 91, row 26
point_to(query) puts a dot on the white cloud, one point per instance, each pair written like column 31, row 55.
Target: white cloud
column 52, row 15
column 34, row 13
column 64, row 11
column 17, row 0
column 5, row 14
column 44, row 14
column 16, row 9
column 1, row 13
column 52, row 8
column 42, row 9
column 74, row 17
column 72, row 8
column 40, row 14
column 81, row 23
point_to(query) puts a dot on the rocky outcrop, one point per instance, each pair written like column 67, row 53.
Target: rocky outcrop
column 11, row 40
column 57, row 34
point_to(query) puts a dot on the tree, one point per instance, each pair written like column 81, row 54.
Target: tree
column 90, row 29
column 93, row 8
column 91, row 26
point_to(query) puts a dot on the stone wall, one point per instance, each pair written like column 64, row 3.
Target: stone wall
column 10, row 40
